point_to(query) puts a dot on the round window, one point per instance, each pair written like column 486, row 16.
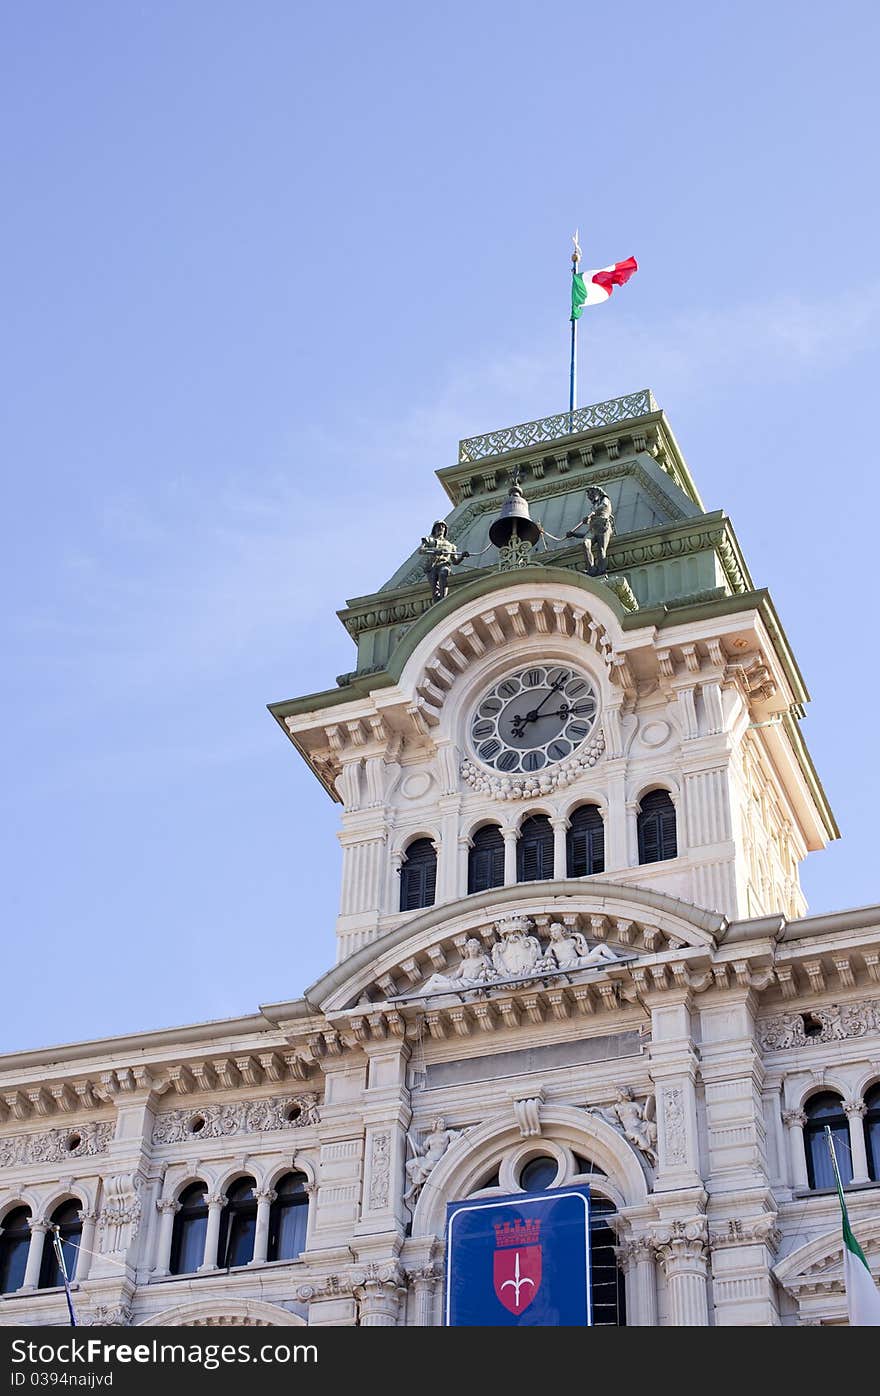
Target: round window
column 538, row 1174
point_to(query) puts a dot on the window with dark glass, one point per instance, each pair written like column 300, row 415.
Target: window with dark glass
column 534, row 851
column 238, row 1227
column 66, row 1218
column 657, row 835
column 289, row 1218
column 872, row 1132
column 822, row 1110
column 190, row 1229
column 538, row 1174
column 418, row 876
column 486, row 860
column 607, row 1283
column 15, row 1240
column 585, row 842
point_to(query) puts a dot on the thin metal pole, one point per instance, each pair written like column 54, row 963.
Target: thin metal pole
column 572, row 382
column 59, row 1252
column 829, row 1140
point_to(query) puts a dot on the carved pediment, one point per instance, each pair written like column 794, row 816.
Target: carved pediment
column 517, row 950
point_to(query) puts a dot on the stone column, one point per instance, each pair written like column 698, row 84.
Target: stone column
column 395, row 864
column 265, row 1198
column 560, row 853
column 86, row 1244
column 424, row 1283
column 510, row 837
column 615, row 817
column 167, row 1209
column 216, row 1203
column 855, row 1110
column 636, row 1259
column 378, row 1289
column 794, row 1121
column 465, row 844
column 35, row 1254
column 633, row 809
column 682, row 1254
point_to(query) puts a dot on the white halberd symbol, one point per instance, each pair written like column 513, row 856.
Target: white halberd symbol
column 517, row 1283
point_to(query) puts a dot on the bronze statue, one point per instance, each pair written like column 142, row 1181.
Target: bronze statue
column 441, row 555
column 600, row 525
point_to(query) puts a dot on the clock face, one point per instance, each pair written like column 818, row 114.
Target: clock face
column 534, row 718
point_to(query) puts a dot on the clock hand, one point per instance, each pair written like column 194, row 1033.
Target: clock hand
column 532, row 716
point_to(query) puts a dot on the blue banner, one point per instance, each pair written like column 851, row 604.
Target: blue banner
column 521, row 1260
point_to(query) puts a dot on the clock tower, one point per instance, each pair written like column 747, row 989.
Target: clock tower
column 574, row 681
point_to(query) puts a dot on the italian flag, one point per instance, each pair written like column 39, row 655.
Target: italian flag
column 593, row 287
column 862, row 1295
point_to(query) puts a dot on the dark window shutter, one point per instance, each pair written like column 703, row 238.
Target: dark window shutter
column 418, row 876
column 534, row 852
column 486, row 860
column 657, row 832
column 585, row 842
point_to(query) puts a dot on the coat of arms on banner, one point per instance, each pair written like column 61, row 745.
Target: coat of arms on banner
column 516, row 1266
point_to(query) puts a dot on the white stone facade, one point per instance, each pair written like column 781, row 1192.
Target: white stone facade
column 664, row 1044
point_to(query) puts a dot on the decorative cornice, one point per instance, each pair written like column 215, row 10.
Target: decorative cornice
column 241, row 1117
column 55, row 1145
column 831, row 1023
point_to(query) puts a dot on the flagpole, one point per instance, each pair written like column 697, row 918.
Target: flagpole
column 572, row 381
column 829, row 1140
column 59, row 1252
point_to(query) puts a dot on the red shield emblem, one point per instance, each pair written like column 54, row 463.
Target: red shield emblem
column 516, row 1264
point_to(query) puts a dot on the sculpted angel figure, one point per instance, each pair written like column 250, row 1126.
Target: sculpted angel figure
column 635, row 1120
column 474, row 970
column 570, row 950
column 426, row 1157
column 441, row 555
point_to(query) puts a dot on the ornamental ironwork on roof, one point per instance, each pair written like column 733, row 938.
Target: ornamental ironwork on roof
column 600, row 414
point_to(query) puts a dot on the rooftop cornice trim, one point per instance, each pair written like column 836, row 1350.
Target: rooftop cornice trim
column 634, row 414
column 811, row 776
column 331, row 983
column 757, row 928
column 150, row 1041
column 827, row 923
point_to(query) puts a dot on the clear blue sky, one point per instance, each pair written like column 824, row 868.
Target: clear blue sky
column 263, row 264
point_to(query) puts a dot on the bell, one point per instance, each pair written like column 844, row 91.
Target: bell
column 514, row 519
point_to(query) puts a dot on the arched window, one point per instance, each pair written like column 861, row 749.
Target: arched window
column 190, row 1229
column 872, row 1132
column 657, row 836
column 289, row 1218
column 239, row 1225
column 585, row 842
column 418, row 876
column 66, row 1218
column 822, row 1110
column 607, row 1285
column 486, row 860
column 534, row 851
column 15, row 1240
